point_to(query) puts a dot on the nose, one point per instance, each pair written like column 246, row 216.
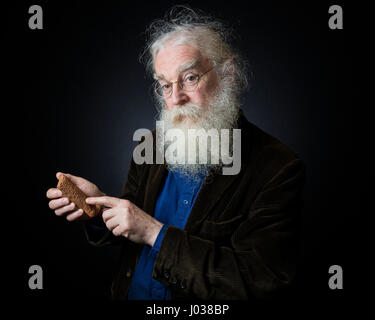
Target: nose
column 178, row 96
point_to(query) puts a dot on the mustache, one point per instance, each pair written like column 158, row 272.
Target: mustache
column 187, row 114
column 190, row 110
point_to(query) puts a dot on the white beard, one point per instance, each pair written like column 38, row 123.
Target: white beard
column 221, row 113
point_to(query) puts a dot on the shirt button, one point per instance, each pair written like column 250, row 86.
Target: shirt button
column 183, row 284
column 186, row 202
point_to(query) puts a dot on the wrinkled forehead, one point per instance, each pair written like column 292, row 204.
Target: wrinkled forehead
column 170, row 61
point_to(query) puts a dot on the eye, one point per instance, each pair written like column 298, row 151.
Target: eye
column 191, row 78
column 166, row 87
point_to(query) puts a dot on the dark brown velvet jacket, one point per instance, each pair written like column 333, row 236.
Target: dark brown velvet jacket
column 241, row 238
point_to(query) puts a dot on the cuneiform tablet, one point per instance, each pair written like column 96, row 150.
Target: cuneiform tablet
column 75, row 195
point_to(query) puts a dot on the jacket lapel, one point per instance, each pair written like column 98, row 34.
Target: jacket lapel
column 211, row 191
column 215, row 186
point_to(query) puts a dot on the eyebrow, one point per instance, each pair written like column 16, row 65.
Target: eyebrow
column 190, row 64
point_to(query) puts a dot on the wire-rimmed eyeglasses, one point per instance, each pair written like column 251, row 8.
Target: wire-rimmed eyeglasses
column 188, row 83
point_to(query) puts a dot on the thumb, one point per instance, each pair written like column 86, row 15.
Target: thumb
column 73, row 178
column 58, row 175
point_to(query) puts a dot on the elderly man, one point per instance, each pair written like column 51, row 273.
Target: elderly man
column 189, row 231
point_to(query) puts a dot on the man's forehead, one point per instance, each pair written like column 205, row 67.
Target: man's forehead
column 172, row 60
column 186, row 65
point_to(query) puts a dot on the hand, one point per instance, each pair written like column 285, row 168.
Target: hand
column 124, row 218
column 63, row 206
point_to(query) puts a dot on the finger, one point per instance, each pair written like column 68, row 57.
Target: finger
column 75, row 215
column 105, row 201
column 58, row 203
column 112, row 223
column 54, row 193
column 108, row 214
column 74, row 179
column 117, row 231
column 65, row 209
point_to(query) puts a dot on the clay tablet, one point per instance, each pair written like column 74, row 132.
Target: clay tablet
column 76, row 195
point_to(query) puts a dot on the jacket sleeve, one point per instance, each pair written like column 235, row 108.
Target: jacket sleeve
column 261, row 259
column 96, row 232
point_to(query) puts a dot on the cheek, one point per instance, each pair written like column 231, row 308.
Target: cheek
column 200, row 96
column 205, row 91
column 212, row 84
column 168, row 104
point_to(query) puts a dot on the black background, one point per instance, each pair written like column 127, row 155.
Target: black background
column 80, row 93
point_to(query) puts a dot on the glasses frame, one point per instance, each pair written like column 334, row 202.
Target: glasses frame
column 179, row 82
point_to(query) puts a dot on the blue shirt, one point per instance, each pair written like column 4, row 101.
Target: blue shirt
column 173, row 207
